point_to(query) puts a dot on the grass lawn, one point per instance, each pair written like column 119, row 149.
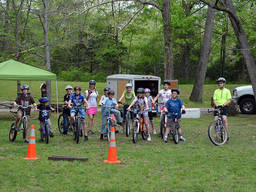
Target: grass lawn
column 196, row 165
column 9, row 91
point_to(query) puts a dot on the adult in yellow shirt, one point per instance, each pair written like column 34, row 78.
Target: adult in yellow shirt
column 221, row 99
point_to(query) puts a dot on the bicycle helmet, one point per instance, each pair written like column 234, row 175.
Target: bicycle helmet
column 92, row 82
column 43, row 86
column 140, row 90
column 176, row 90
column 43, row 100
column 106, row 88
column 167, row 82
column 77, row 87
column 147, row 90
column 111, row 92
column 24, row 87
column 68, row 87
column 128, row 85
column 221, row 79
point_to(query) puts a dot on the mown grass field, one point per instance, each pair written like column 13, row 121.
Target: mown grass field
column 196, row 165
column 9, row 91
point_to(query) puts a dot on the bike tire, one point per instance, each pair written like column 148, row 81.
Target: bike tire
column 135, row 133
column 162, row 128
column 127, row 125
column 217, row 139
column 12, row 133
column 25, row 127
column 46, row 135
column 175, row 136
column 60, row 124
column 143, row 134
column 78, row 125
column 110, row 124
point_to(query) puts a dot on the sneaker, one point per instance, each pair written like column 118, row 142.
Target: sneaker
column 90, row 132
column 51, row 134
column 26, row 141
column 154, row 131
column 182, row 139
column 85, row 138
column 165, row 139
column 149, row 138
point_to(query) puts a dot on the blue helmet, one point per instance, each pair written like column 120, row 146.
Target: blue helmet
column 24, row 87
column 43, row 99
column 107, row 88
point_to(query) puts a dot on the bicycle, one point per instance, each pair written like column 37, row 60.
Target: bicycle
column 61, row 124
column 128, row 122
column 78, row 132
column 24, row 121
column 110, row 122
column 174, row 130
column 163, row 120
column 217, row 133
column 45, row 131
column 138, row 127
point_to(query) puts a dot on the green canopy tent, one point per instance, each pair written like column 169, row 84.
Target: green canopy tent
column 14, row 70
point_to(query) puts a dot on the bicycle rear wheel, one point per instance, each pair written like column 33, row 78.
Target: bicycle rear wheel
column 60, row 123
column 12, row 133
column 218, row 136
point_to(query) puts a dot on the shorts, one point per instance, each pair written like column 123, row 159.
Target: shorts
column 80, row 112
column 172, row 124
column 150, row 115
column 91, row 110
column 144, row 113
column 224, row 111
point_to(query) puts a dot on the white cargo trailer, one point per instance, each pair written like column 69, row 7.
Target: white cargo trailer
column 117, row 82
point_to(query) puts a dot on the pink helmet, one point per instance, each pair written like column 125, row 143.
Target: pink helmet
column 147, row 90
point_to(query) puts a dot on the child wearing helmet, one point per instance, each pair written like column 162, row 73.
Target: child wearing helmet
column 128, row 96
column 150, row 113
column 91, row 96
column 141, row 103
column 77, row 99
column 66, row 110
column 25, row 100
column 43, row 90
column 44, row 105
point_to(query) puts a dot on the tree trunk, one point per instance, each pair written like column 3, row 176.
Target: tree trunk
column 186, row 55
column 197, row 91
column 6, row 26
column 168, row 54
column 47, row 47
column 243, row 41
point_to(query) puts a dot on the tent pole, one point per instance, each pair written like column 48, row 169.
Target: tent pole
column 57, row 99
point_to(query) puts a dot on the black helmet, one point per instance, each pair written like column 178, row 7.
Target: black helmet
column 24, row 87
column 140, row 90
column 92, row 82
column 111, row 92
column 107, row 88
column 77, row 87
column 167, row 82
column 176, row 90
column 43, row 86
column 221, row 79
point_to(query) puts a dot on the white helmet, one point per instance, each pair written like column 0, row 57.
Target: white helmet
column 128, row 85
column 68, row 87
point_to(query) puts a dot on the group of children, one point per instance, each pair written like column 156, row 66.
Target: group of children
column 74, row 103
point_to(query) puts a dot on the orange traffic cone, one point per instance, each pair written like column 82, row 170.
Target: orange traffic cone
column 31, row 155
column 112, row 158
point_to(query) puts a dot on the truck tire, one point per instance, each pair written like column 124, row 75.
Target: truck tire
column 247, row 106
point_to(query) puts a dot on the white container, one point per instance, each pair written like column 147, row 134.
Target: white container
column 191, row 113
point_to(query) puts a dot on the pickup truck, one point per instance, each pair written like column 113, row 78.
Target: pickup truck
column 244, row 97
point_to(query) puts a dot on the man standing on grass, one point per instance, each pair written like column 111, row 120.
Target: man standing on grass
column 221, row 99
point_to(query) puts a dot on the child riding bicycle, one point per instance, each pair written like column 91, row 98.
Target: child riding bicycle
column 66, row 110
column 44, row 105
column 24, row 100
column 174, row 106
column 77, row 100
column 106, row 103
column 141, row 103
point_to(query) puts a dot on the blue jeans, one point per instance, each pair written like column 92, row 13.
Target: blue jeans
column 104, row 115
column 65, row 122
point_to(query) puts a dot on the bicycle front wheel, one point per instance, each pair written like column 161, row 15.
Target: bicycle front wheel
column 25, row 127
column 218, row 136
column 46, row 133
column 77, row 131
column 175, row 136
column 12, row 133
column 162, row 127
column 60, row 124
column 127, row 124
column 135, row 132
